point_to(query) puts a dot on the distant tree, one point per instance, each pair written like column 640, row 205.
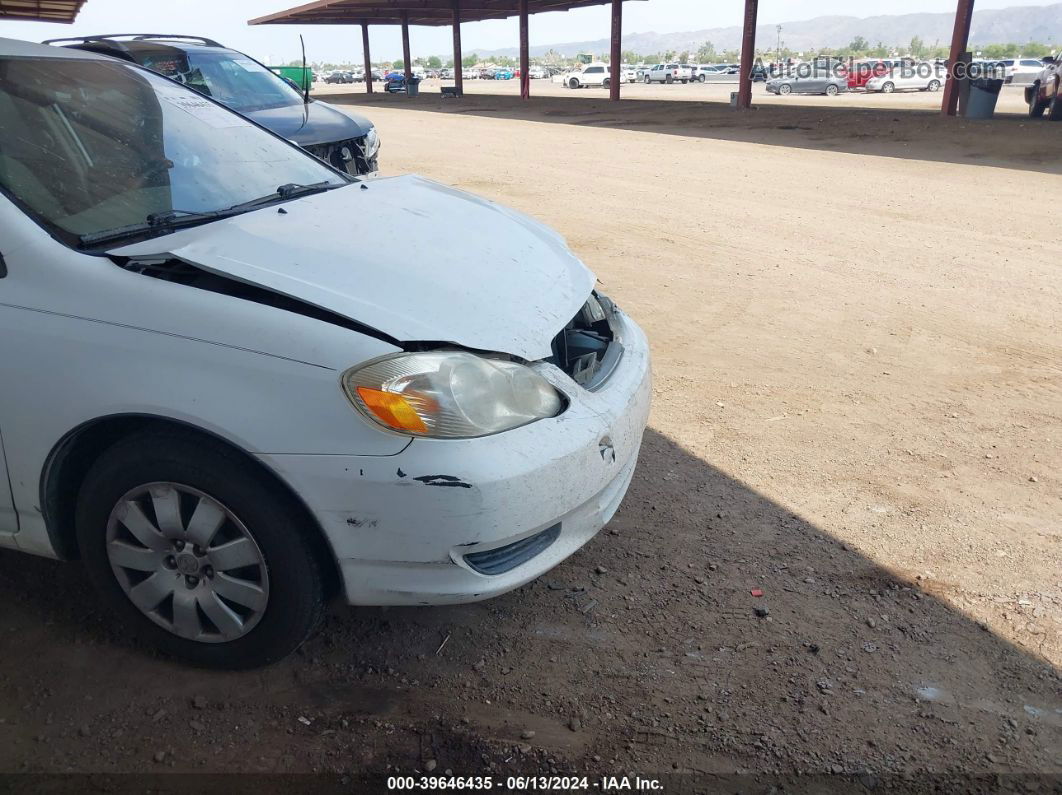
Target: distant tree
column 398, row 66
column 706, row 53
column 434, row 62
column 879, row 50
column 858, row 45
column 684, row 56
column 469, row 61
column 669, row 55
column 917, row 47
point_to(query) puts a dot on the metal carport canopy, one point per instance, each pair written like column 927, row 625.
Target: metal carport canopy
column 40, row 10
column 413, row 12
column 440, row 13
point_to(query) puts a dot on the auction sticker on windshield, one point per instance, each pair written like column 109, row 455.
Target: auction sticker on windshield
column 203, row 109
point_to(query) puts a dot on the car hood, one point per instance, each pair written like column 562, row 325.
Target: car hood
column 413, row 259
column 312, row 123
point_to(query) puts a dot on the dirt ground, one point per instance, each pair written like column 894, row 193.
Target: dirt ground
column 858, row 408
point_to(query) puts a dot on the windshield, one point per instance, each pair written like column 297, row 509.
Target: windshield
column 88, row 146
column 230, row 78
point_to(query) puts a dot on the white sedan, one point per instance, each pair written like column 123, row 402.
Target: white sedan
column 223, row 391
column 909, row 77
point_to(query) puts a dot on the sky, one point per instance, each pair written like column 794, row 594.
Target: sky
column 226, row 21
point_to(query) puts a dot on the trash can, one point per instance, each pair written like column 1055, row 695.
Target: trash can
column 413, row 87
column 984, row 93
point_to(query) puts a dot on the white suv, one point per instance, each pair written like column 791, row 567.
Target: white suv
column 669, row 73
column 594, row 74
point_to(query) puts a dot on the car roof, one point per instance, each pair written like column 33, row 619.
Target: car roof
column 137, row 46
column 27, row 49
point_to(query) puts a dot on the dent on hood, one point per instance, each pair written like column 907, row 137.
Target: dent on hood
column 408, row 258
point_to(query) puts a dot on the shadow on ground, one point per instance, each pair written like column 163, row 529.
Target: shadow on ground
column 1007, row 141
column 648, row 651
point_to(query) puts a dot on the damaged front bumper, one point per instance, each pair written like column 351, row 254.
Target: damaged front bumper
column 450, row 521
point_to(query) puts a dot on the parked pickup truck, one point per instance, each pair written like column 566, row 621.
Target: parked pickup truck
column 669, row 73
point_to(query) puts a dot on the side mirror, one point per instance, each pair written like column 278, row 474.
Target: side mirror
column 1049, row 59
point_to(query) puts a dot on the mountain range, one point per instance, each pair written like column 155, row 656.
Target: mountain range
column 990, row 26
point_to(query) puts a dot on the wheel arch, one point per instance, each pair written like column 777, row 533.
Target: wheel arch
column 72, row 457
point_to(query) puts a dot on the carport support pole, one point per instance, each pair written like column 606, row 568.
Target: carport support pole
column 459, row 72
column 405, row 46
column 960, row 39
column 748, row 54
column 616, row 55
column 368, row 59
column 525, row 53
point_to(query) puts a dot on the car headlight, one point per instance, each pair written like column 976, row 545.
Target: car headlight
column 450, row 394
column 372, row 143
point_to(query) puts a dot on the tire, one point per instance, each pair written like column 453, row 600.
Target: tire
column 934, row 85
column 703, row 78
column 888, row 87
column 573, row 83
column 1036, row 107
column 831, row 91
column 684, row 82
column 669, row 79
column 1054, row 108
column 785, row 89
column 258, row 614
column 647, row 80
column 606, row 83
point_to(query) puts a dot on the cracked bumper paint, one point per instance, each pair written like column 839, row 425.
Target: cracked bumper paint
column 401, row 525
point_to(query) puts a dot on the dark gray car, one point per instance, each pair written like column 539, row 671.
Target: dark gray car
column 808, row 79
column 345, row 140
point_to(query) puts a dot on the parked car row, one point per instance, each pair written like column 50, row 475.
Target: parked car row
column 832, row 78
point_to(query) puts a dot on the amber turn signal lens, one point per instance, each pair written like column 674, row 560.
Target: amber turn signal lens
column 392, row 410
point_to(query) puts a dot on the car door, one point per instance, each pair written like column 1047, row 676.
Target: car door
column 814, row 80
column 8, row 519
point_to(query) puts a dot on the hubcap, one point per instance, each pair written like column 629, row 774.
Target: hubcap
column 187, row 562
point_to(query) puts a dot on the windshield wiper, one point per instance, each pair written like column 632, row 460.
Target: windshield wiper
column 170, row 220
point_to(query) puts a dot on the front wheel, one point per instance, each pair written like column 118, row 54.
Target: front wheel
column 1054, row 109
column 646, row 80
column 888, row 88
column 1036, row 107
column 934, row 85
column 573, row 83
column 669, row 79
column 831, row 91
column 785, row 89
column 606, row 83
column 198, row 552
column 703, row 78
